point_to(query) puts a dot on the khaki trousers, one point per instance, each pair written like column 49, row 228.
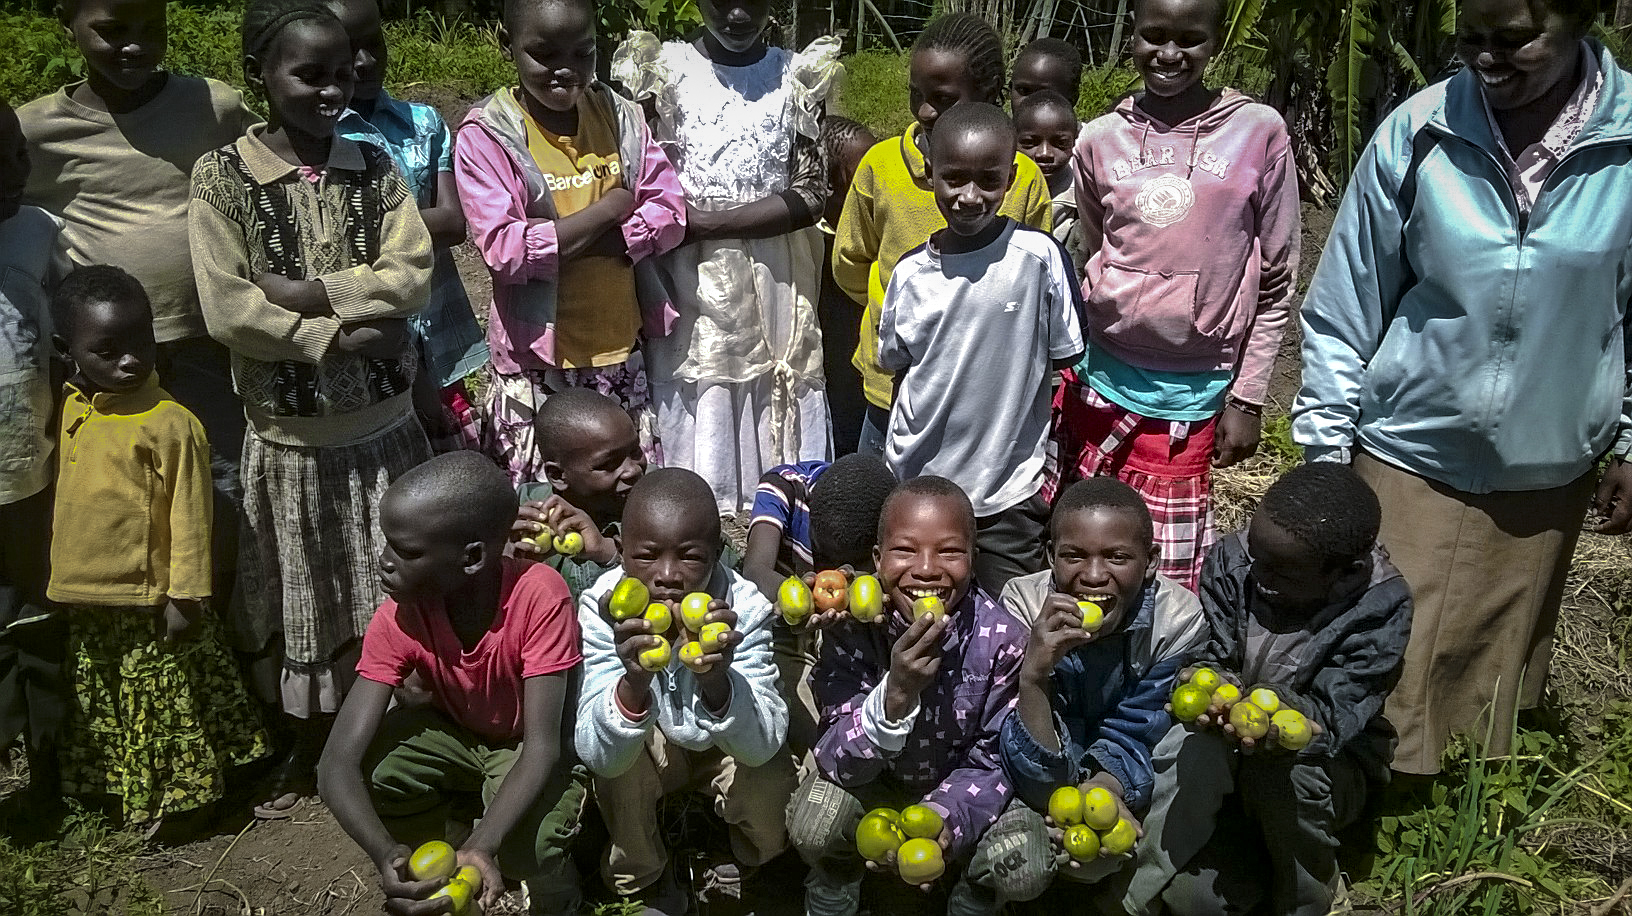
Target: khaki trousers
column 1487, row 575
column 751, row 800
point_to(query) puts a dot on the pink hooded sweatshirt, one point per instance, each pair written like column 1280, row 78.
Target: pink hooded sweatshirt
column 1178, row 222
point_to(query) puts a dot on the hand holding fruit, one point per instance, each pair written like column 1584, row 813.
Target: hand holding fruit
column 914, row 660
column 1091, row 820
column 829, row 601
column 713, row 625
column 559, row 526
column 912, row 843
column 406, row 895
column 478, row 869
column 640, row 647
column 1057, row 632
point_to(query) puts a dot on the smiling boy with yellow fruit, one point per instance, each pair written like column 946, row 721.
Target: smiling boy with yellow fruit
column 1078, row 745
column 1308, row 623
column 658, row 716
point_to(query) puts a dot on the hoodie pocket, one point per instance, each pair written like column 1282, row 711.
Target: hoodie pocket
column 1152, row 311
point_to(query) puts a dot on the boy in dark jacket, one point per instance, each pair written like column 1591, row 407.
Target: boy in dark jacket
column 1307, row 603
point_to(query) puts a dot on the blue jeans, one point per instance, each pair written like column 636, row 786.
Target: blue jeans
column 875, row 425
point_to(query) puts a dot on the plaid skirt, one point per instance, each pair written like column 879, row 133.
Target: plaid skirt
column 513, row 401
column 309, row 571
column 1168, row 462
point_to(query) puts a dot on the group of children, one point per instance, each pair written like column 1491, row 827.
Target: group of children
column 260, row 340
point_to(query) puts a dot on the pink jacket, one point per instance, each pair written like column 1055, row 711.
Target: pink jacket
column 512, row 223
column 1178, row 223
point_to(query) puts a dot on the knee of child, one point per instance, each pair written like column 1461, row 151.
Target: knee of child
column 1014, row 858
column 821, row 819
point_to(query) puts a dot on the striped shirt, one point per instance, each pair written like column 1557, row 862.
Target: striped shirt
column 783, row 500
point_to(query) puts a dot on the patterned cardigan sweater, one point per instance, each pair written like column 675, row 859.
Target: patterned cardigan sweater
column 355, row 228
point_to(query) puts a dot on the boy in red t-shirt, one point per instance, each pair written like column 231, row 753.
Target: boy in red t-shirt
column 495, row 641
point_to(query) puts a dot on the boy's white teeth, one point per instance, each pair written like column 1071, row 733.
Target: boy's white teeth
column 1493, row 79
column 924, row 592
column 1098, row 599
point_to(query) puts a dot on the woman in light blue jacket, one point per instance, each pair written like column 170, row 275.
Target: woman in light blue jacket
column 1465, row 347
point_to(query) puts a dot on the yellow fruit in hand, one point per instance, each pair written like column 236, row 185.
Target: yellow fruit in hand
column 693, row 608
column 569, row 544
column 1099, row 809
column 793, row 600
column 1227, row 694
column 459, row 892
column 1206, row 678
column 711, row 634
column 921, row 822
column 472, row 876
column 629, row 599
column 1119, row 840
column 432, row 861
column 877, row 837
column 866, row 598
column 1249, row 720
column 919, row 861
column 1265, row 699
column 889, row 814
column 690, row 652
column 1093, row 616
column 657, row 657
column 928, row 606
column 1189, row 702
column 1082, row 843
column 658, row 615
column 1065, row 806
column 1293, row 731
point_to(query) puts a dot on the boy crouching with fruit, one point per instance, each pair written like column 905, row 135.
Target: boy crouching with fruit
column 1306, row 614
column 680, row 692
column 911, row 710
column 495, row 641
column 1108, row 636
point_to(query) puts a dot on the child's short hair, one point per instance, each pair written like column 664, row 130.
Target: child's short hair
column 1327, row 508
column 1221, row 12
column 974, row 38
column 932, row 487
column 845, row 506
column 265, row 20
column 464, row 493
column 1062, row 51
column 1103, row 493
column 674, row 491
column 509, row 9
column 94, row 283
column 1040, row 101
column 979, row 118
column 838, row 132
column 567, row 415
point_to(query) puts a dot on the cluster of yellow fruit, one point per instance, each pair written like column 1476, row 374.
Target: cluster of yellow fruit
column 1250, row 717
column 630, row 598
column 567, row 543
column 911, row 835
column 437, row 860
column 863, row 598
column 1092, row 823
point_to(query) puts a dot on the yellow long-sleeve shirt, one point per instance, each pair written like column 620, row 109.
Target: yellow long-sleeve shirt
column 890, row 211
column 133, row 508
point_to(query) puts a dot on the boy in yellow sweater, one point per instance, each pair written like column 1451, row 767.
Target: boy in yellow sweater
column 891, row 206
column 158, row 713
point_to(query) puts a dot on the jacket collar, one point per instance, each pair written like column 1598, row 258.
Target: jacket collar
column 1463, row 113
column 910, row 152
column 267, row 167
column 111, row 401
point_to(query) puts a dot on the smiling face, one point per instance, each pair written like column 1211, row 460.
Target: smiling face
column 14, row 165
column 597, row 470
column 1285, row 572
column 553, row 47
column 672, row 553
column 1048, row 134
column 307, row 76
column 361, row 19
column 123, row 41
column 1520, row 52
column 1104, row 555
column 936, row 80
column 970, row 172
column 1172, row 42
column 1036, row 72
column 926, row 547
column 735, row 25
column 111, row 344
column 421, row 558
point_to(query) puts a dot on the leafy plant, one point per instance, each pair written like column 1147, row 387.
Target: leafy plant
column 91, row 870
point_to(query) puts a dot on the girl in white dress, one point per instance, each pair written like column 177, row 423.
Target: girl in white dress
column 738, row 383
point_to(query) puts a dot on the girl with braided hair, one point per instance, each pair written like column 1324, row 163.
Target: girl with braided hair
column 310, row 255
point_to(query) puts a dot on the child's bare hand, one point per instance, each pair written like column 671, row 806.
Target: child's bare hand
column 719, row 661
column 820, row 619
column 529, row 522
column 377, row 338
column 306, row 297
column 630, row 638
column 914, row 660
column 1114, row 786
column 890, row 867
column 561, row 516
column 1273, row 282
column 403, row 895
column 178, row 620
column 492, row 879
column 1057, row 632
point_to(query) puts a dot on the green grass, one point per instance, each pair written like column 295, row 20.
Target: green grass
column 92, row 869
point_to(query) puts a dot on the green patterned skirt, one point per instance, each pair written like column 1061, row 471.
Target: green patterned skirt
column 156, row 724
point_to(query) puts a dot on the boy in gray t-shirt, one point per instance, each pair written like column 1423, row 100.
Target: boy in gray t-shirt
column 974, row 323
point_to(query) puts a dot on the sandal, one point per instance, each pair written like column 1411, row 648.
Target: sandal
column 291, row 789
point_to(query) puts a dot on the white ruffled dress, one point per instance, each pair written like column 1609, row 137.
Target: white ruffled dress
column 738, row 384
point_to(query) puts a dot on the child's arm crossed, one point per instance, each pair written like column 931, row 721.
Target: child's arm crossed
column 658, row 222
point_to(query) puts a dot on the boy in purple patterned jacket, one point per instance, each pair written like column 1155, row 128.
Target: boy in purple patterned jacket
column 911, row 709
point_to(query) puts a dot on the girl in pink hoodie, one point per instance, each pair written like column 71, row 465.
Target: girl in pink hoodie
column 1188, row 202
